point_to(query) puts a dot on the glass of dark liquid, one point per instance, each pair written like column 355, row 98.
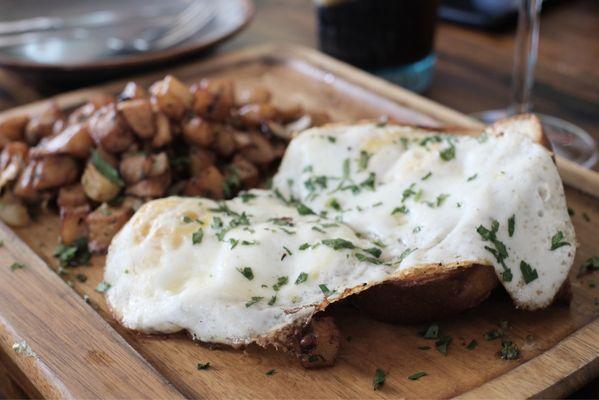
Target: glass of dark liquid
column 392, row 38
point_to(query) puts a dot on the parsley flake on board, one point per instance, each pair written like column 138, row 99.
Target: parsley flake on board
column 558, row 241
column 246, row 272
column 432, row 332
column 509, row 350
column 203, row 366
column 442, row 344
column 271, row 372
column 379, row 379
column 493, row 335
column 591, row 264
column 301, row 278
column 424, row 347
column 253, row 300
column 473, row 344
column 15, row 266
column 586, row 217
column 105, row 169
column 529, row 274
column 74, row 254
column 417, row 375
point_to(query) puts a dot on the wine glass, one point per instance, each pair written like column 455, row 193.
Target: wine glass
column 568, row 140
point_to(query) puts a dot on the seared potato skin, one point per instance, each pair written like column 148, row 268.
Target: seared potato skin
column 12, row 129
column 430, row 296
column 72, row 223
column 71, row 196
column 214, row 99
column 198, row 132
column 171, row 97
column 96, row 186
column 103, row 223
column 49, row 173
column 109, row 131
column 208, row 183
column 139, row 116
column 73, row 141
column 42, row 124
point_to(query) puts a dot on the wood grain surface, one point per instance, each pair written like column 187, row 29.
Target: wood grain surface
column 558, row 345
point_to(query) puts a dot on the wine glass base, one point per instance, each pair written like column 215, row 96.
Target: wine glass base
column 568, row 140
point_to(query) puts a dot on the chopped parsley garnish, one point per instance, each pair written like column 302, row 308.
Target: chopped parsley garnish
column 493, row 334
column 472, row 345
column 246, row 272
column 417, row 375
column 15, row 266
column 282, row 221
column 407, row 193
column 327, row 292
column 448, row 153
column 591, row 264
column 287, row 251
column 432, row 332
column 471, row 178
column 528, row 273
column 331, row 139
column 231, row 182
column 424, row 347
column 203, row 366
column 369, row 182
column 363, row 160
column 442, row 344
column 304, row 246
column 364, row 258
column 334, row 204
column 571, row 212
column 245, row 197
column 102, row 287
column 374, row 251
column 83, row 278
column 558, row 241
column 281, row 281
column 74, row 254
column 186, row 219
column 403, row 209
column 500, row 251
column 107, row 170
column 301, row 278
column 509, row 350
column 338, row 244
column 379, row 379
column 417, row 229
column 438, row 201
column 197, row 236
column 271, row 372
column 253, row 301
column 511, row 225
column 586, row 217
column 403, row 255
column 302, row 209
column 272, row 300
column 425, row 177
column 314, row 182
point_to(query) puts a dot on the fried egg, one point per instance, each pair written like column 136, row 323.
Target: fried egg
column 351, row 207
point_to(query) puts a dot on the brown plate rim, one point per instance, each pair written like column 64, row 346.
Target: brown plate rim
column 132, row 61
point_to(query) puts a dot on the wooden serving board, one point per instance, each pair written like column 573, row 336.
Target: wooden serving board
column 78, row 350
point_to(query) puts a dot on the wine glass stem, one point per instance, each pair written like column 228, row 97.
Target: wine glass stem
column 525, row 56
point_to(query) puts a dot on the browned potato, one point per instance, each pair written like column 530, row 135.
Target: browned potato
column 246, row 172
column 133, row 91
column 139, row 116
column 199, row 160
column 24, row 185
column 84, row 112
column 41, row 125
column 256, row 94
column 72, row 223
column 152, row 187
column 319, row 343
column 198, row 131
column 259, row 151
column 54, row 172
column 108, row 130
column 12, row 161
column 12, row 211
column 105, row 222
column 209, row 183
column 73, row 141
column 224, row 143
column 171, row 97
column 134, row 168
column 252, row 115
column 12, row 129
column 214, row 99
column 71, row 196
column 98, row 187
column 164, row 134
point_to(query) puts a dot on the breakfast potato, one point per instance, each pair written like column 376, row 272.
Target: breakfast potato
column 72, row 223
column 259, row 150
column 151, row 188
column 134, row 168
column 318, row 345
column 71, row 196
column 108, row 130
column 214, row 99
column 199, row 160
column 252, row 115
column 41, row 125
column 199, row 132
column 171, row 97
column 12, row 211
column 12, row 161
column 98, row 187
column 254, row 95
column 246, row 172
column 54, row 172
column 133, row 91
column 73, row 141
column 103, row 223
column 12, row 128
column 208, row 183
column 164, row 133
column 139, row 116
column 84, row 112
column 224, row 143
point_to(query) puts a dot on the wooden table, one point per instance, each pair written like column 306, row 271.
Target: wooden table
column 473, row 70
